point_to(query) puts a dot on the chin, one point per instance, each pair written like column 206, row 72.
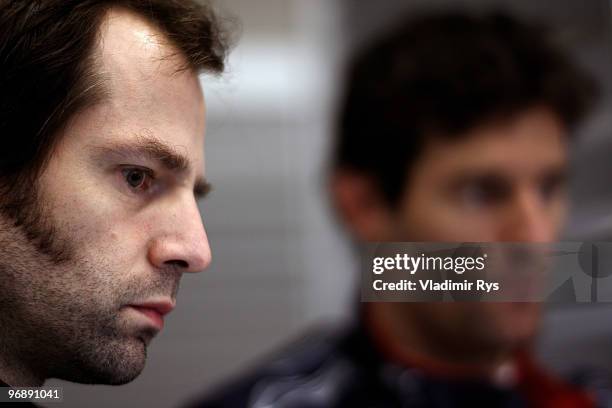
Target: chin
column 128, row 363
column 113, row 363
column 517, row 323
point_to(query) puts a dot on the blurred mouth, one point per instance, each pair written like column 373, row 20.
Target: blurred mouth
column 153, row 312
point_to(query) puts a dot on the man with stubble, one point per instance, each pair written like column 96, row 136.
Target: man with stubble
column 102, row 121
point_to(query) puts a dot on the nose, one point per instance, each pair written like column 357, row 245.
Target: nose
column 182, row 242
column 530, row 219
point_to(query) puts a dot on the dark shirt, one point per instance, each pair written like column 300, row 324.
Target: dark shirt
column 345, row 368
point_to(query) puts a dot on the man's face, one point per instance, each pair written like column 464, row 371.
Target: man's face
column 502, row 182
column 118, row 218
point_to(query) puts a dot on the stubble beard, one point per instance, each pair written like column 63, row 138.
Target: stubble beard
column 53, row 323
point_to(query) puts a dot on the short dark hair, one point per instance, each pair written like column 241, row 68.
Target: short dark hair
column 47, row 70
column 444, row 74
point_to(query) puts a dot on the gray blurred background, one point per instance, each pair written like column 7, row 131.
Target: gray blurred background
column 280, row 262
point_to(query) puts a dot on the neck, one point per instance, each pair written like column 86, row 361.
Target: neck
column 16, row 372
column 403, row 339
column 17, row 377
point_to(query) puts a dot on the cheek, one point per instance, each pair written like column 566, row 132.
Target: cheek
column 107, row 239
column 118, row 248
column 97, row 217
column 559, row 215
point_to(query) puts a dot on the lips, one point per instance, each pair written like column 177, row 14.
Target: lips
column 154, row 311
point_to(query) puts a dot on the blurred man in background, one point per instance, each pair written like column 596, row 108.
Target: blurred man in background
column 453, row 129
column 101, row 160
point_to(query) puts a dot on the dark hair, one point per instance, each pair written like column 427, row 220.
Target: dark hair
column 47, row 70
column 443, row 75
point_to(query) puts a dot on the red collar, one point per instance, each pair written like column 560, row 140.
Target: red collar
column 540, row 388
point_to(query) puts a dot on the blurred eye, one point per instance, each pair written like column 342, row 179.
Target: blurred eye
column 137, row 178
column 483, row 193
column 552, row 186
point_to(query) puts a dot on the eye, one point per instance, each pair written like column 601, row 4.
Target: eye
column 137, row 178
column 553, row 187
column 485, row 192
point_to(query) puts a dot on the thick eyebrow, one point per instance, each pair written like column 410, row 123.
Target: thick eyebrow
column 555, row 172
column 153, row 149
column 146, row 147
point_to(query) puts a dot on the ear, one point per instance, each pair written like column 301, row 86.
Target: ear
column 360, row 205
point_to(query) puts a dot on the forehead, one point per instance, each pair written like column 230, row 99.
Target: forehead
column 148, row 91
column 524, row 144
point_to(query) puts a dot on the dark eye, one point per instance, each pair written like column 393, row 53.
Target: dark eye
column 137, row 178
column 553, row 186
column 484, row 192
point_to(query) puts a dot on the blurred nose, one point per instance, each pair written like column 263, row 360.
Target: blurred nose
column 530, row 220
column 182, row 243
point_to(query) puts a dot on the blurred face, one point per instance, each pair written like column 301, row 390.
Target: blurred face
column 115, row 223
column 501, row 182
